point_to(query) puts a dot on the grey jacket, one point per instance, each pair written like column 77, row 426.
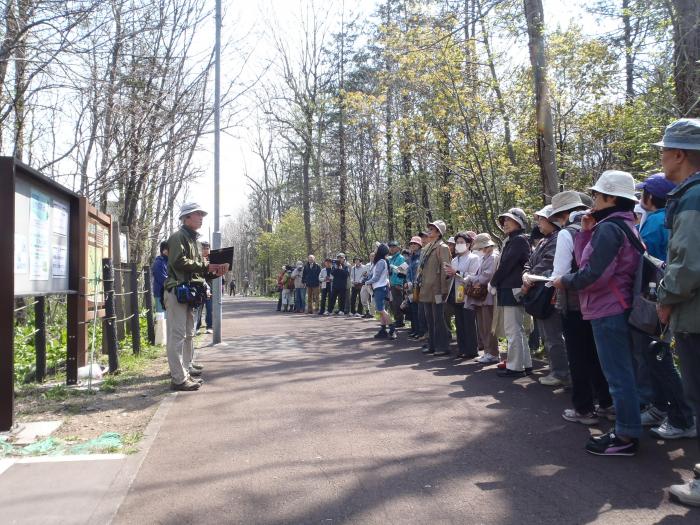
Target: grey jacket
column 680, row 286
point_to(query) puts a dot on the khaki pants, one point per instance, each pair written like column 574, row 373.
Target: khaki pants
column 312, row 293
column 180, row 344
column 484, row 319
column 519, row 356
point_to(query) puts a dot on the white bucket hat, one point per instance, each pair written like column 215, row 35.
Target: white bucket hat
column 190, row 207
column 483, row 240
column 617, row 184
column 517, row 214
column 566, row 201
column 440, row 225
column 544, row 212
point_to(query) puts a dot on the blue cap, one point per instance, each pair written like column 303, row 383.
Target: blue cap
column 682, row 134
column 657, row 185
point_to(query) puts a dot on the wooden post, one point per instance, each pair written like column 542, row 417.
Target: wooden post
column 7, row 295
column 77, row 303
column 109, row 324
column 134, row 295
column 40, row 337
column 148, row 300
column 118, row 280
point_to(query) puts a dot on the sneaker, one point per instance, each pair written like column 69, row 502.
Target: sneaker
column 611, row 445
column 572, row 415
column 487, row 359
column 696, row 470
column 382, row 334
column 652, row 417
column 550, row 380
column 667, row 431
column 197, row 366
column 358, row 315
column 194, row 372
column 327, row 313
column 185, row 386
column 198, row 380
column 502, row 365
column 340, row 312
column 607, row 412
column 511, row 373
column 210, row 331
column 688, row 493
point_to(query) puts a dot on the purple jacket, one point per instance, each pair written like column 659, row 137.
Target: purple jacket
column 607, row 266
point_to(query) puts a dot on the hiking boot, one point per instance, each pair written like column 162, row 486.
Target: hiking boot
column 197, row 366
column 667, row 431
column 652, row 417
column 196, row 379
column 570, row 414
column 688, row 493
column 186, row 386
column 611, row 445
column 382, row 334
column 194, row 372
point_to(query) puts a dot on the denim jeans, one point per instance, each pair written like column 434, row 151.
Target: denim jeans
column 299, row 299
column 614, row 345
column 664, row 381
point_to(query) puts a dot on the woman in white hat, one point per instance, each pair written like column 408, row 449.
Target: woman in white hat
column 608, row 263
column 480, row 299
column 508, row 279
column 588, row 383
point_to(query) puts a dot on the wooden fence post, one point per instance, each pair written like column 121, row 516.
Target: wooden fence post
column 148, row 300
column 109, row 324
column 135, row 326
column 40, row 337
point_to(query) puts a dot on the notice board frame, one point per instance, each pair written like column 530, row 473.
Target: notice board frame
column 76, row 269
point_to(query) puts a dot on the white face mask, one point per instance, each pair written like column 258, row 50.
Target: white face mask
column 460, row 248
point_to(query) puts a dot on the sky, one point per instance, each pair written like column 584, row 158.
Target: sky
column 247, row 23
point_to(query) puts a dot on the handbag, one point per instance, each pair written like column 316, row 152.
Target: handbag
column 538, row 301
column 476, row 292
column 190, row 293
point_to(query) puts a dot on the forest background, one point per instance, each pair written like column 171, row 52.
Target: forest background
column 366, row 121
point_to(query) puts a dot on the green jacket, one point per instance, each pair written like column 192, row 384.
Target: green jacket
column 680, row 286
column 185, row 261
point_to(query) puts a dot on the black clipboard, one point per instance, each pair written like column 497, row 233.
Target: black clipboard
column 222, row 256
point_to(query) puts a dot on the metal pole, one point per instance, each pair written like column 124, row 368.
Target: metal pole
column 216, row 239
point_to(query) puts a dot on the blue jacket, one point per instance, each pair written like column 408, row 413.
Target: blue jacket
column 654, row 234
column 159, row 270
column 310, row 275
column 396, row 260
column 413, row 262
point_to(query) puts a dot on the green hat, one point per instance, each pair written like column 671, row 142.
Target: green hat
column 682, row 134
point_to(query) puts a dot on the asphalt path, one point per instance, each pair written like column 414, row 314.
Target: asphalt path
column 304, row 419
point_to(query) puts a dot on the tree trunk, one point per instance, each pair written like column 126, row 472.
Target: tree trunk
column 389, row 124
column 685, row 17
column 629, row 54
column 546, row 149
column 341, row 143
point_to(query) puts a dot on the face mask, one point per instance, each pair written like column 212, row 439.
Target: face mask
column 460, row 248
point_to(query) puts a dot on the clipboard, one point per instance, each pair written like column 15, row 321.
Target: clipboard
column 222, row 256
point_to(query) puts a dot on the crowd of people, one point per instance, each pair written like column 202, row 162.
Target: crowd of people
column 609, row 280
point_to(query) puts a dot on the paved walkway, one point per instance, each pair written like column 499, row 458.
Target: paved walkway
column 309, row 420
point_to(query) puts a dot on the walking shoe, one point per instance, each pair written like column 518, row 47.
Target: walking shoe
column 611, row 445
column 339, row 312
column 185, row 386
column 688, row 493
column 696, row 470
column 367, row 316
column 607, row 412
column 426, row 350
column 198, row 380
column 194, row 372
column 487, row 359
column 442, row 352
column 511, row 373
column 327, row 313
column 502, row 365
column 667, row 431
column 209, row 331
column 358, row 315
column 528, row 370
column 652, row 417
column 550, row 380
column 572, row 415
column 197, row 366
column 382, row 334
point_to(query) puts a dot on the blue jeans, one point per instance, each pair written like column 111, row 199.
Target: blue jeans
column 299, row 299
column 614, row 345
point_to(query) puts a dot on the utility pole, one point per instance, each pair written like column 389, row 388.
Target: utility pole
column 216, row 239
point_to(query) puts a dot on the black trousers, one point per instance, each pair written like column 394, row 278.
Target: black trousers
column 355, row 300
column 325, row 300
column 341, row 295
column 465, row 319
column 436, row 327
column 396, row 300
column 688, row 348
column 587, row 380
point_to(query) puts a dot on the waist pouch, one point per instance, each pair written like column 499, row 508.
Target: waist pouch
column 191, row 293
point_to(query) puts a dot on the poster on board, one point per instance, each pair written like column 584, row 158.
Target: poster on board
column 21, row 254
column 39, row 236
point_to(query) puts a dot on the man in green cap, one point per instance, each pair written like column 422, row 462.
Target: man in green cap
column 679, row 290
